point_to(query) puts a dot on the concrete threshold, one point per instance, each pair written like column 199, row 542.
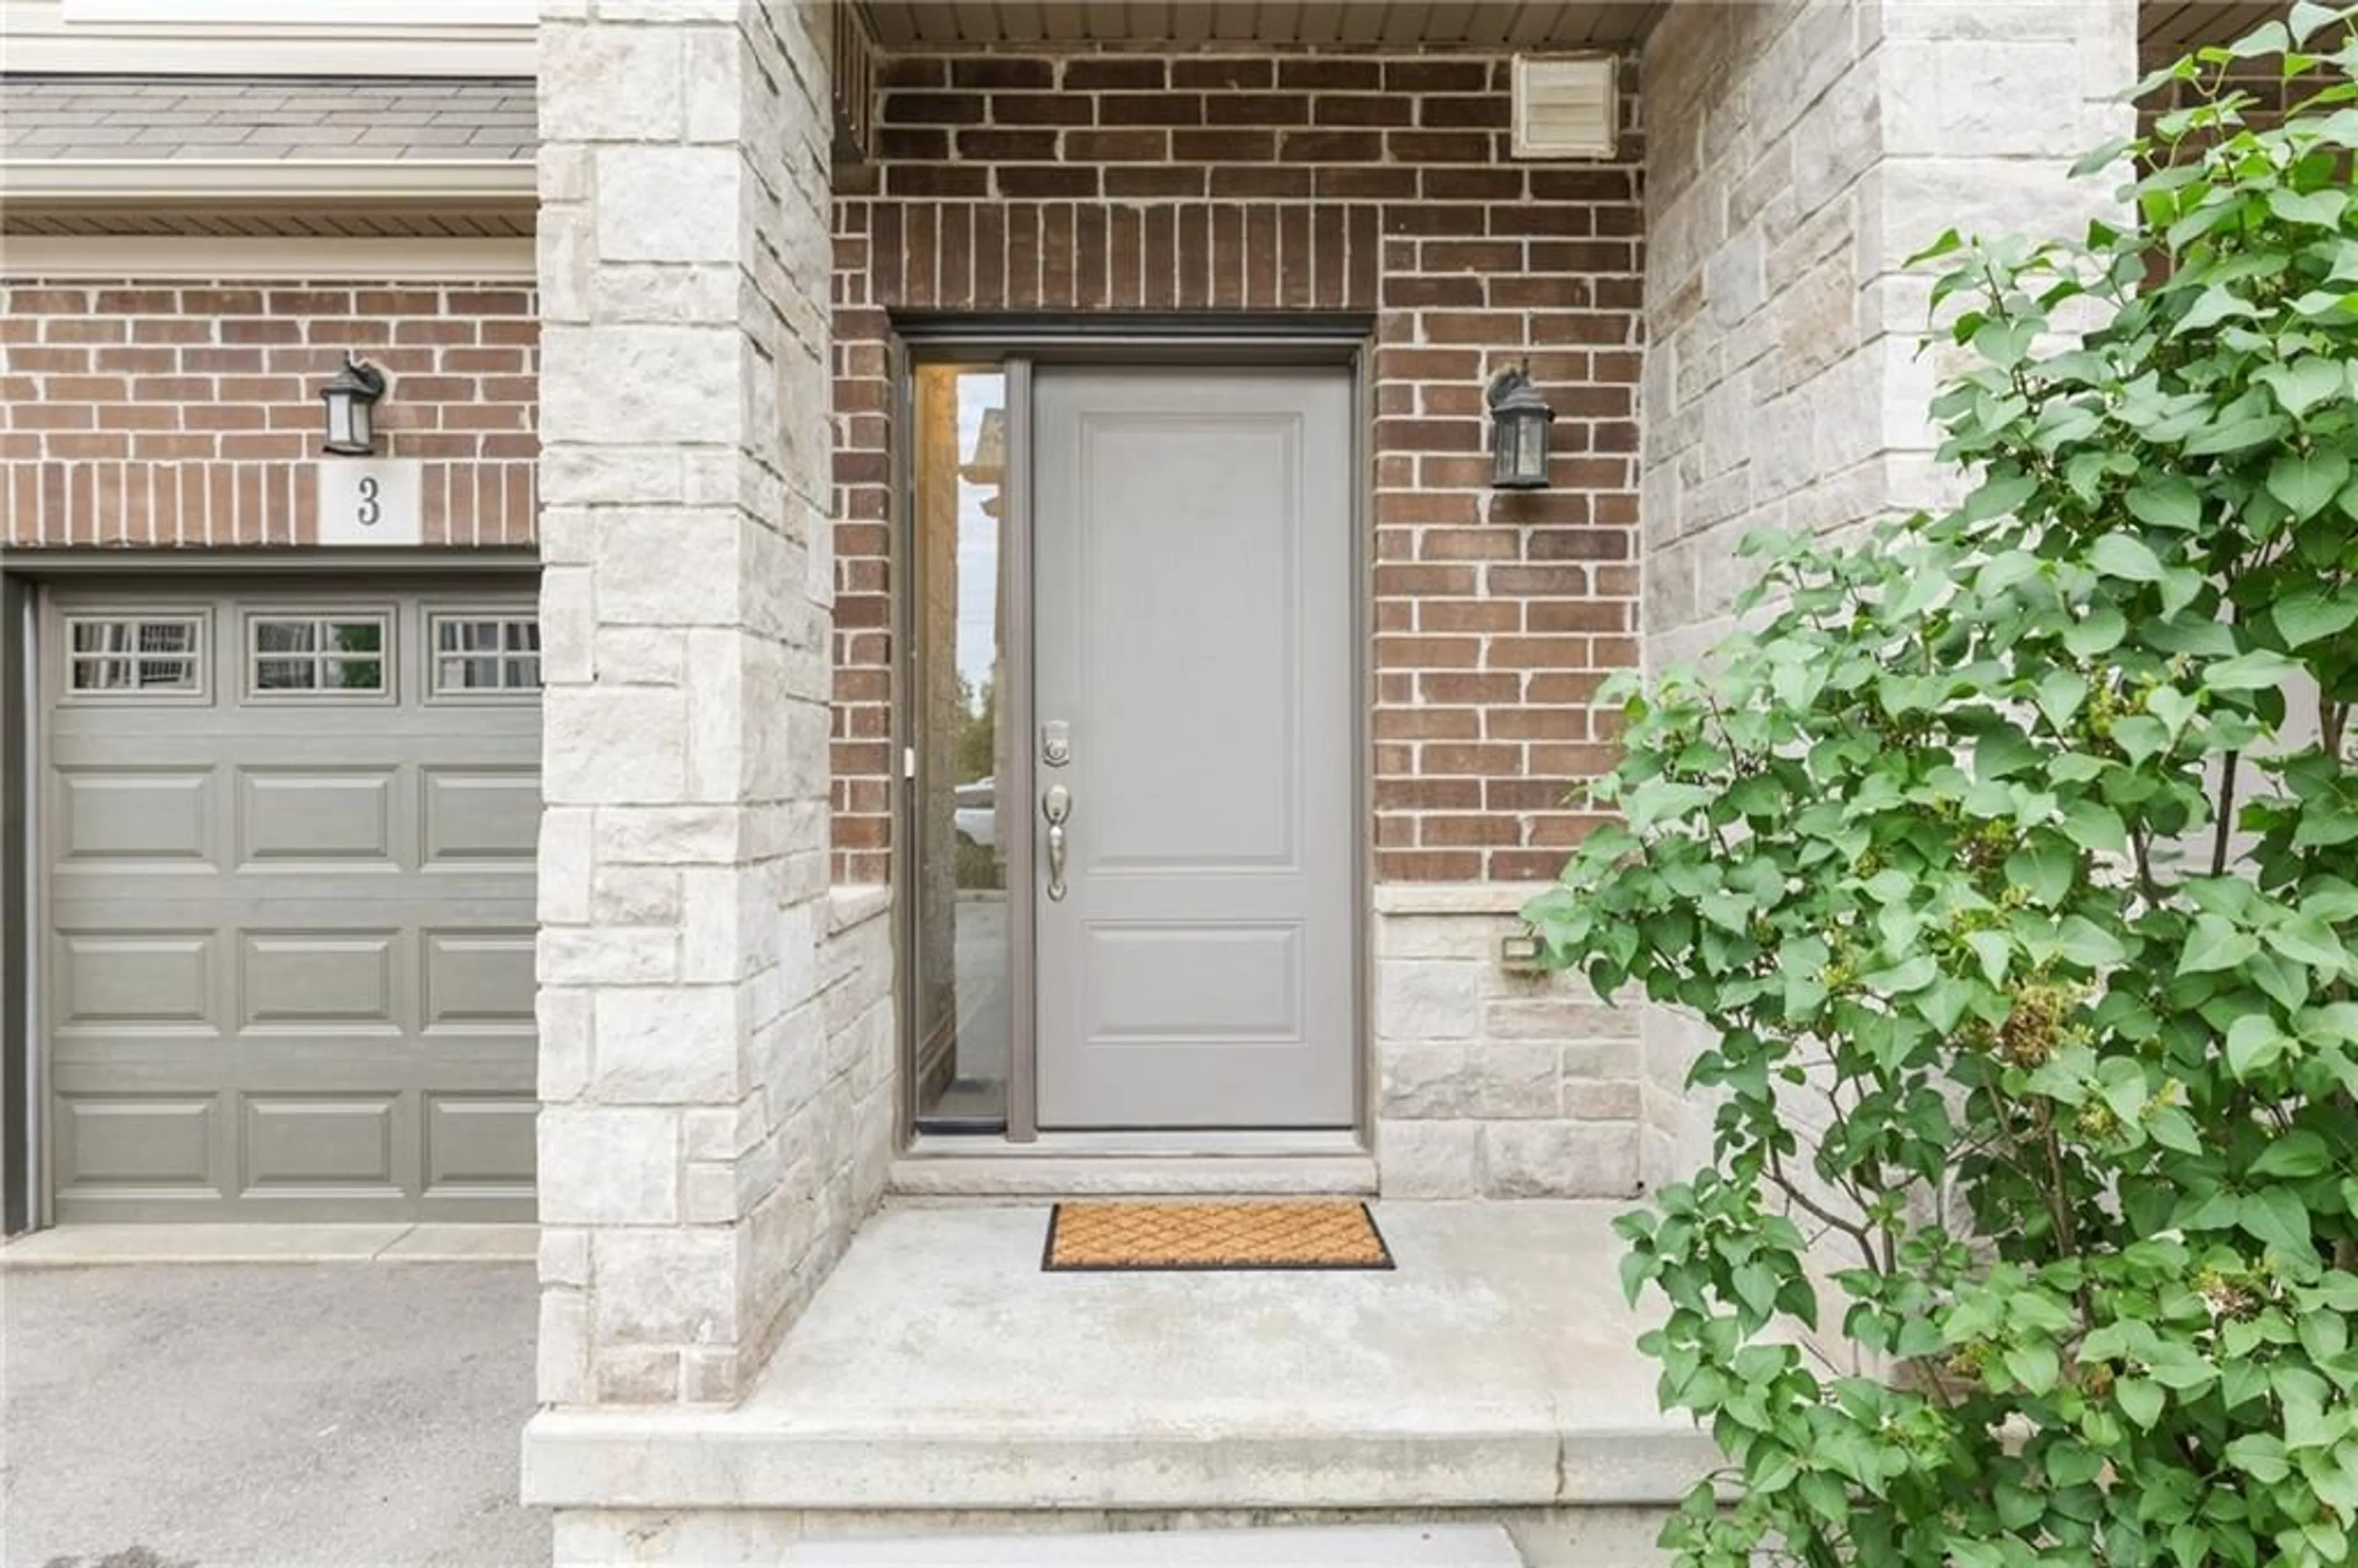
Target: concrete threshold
column 1036, row 1176
column 938, row 1369
column 90, row 1246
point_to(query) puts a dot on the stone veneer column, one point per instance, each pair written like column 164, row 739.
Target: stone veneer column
column 1798, row 151
column 688, row 1147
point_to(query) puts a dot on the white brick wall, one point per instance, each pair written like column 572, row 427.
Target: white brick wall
column 715, row 1046
column 1798, row 151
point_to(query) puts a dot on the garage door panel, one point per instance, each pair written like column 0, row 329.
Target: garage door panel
column 306, row 979
column 342, row 819
column 478, row 980
column 150, row 819
column 289, row 962
column 474, row 815
column 479, row 1141
column 142, row 979
column 309, row 1142
column 123, row 1144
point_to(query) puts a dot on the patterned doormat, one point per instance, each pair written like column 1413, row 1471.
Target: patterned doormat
column 1336, row 1234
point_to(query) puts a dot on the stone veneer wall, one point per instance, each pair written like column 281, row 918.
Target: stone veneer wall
column 717, row 1068
column 1801, row 151
column 1491, row 1083
column 166, row 413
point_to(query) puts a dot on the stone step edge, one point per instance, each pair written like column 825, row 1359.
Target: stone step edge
column 675, row 1459
column 1310, row 1546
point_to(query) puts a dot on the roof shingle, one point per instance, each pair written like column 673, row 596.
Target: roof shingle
column 365, row 119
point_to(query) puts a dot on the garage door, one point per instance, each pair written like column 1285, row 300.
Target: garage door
column 289, row 835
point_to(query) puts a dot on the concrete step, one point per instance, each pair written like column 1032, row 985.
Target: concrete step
column 1348, row 1546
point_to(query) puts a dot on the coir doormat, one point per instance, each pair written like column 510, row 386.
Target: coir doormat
column 1293, row 1234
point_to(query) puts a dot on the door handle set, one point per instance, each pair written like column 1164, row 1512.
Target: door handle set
column 1056, row 806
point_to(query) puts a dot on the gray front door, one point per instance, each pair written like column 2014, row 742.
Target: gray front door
column 1194, row 583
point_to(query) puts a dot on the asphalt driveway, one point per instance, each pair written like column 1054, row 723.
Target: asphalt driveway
column 338, row 1415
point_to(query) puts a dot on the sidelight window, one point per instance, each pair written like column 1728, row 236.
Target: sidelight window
column 964, row 821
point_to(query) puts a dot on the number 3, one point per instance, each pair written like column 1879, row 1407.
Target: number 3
column 370, row 509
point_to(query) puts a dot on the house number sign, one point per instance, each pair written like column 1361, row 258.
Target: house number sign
column 372, row 501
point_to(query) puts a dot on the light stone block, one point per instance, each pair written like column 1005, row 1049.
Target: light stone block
column 1425, row 1000
column 561, row 1354
column 1560, row 1158
column 610, row 84
column 612, row 746
column 631, row 384
column 567, row 1032
column 675, row 1045
column 665, row 1286
column 1429, row 1159
column 607, row 1166
column 669, row 204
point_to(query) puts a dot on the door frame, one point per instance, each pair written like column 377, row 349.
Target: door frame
column 1240, row 341
column 28, row 1178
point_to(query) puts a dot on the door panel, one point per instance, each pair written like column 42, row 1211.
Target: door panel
column 1193, row 588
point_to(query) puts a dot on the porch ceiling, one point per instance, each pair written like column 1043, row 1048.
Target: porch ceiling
column 1376, row 23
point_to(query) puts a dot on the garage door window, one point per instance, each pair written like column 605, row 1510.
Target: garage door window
column 136, row 655
column 339, row 656
column 477, row 655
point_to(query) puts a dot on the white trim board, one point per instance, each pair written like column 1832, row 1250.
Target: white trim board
column 388, row 260
column 303, row 12
column 269, row 37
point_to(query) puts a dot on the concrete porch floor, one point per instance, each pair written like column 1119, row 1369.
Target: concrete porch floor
column 940, row 1370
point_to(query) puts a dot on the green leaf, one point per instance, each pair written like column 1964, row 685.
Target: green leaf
column 2316, row 209
column 2059, row 694
column 2140, row 1401
column 2089, row 944
column 2260, row 1455
column 2278, row 1217
column 2214, row 306
column 2214, row 945
column 2094, row 827
column 2307, row 16
column 1910, row 974
column 2304, row 383
column 2045, row 869
column 1995, row 952
column 2292, row 1156
column 2166, row 501
column 2128, row 556
column 2307, row 614
column 2308, row 941
column 2035, row 1366
column 2259, row 670
column 2254, row 1043
column 2099, row 633
column 2305, row 482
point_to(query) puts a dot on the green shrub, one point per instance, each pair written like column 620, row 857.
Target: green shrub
column 2011, row 865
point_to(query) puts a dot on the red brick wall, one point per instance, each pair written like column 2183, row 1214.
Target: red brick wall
column 171, row 413
column 1229, row 182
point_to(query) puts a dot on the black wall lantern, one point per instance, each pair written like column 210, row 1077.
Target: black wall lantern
column 349, row 398
column 1519, row 418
